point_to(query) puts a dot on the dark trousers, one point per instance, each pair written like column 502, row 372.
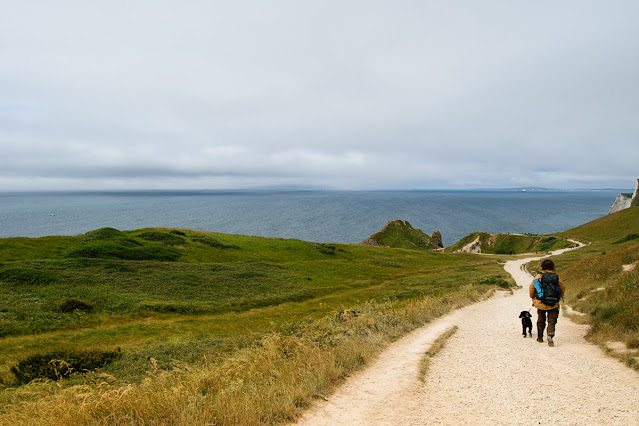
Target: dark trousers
column 552, row 315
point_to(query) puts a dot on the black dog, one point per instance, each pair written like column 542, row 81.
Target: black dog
column 526, row 322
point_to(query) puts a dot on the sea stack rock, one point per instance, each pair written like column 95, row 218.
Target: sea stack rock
column 436, row 238
column 624, row 201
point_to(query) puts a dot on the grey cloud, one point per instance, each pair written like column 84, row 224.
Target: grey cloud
column 348, row 95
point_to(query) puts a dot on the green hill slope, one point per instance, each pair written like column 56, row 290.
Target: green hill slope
column 509, row 243
column 602, row 280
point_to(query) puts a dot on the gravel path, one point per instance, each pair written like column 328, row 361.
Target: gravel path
column 488, row 374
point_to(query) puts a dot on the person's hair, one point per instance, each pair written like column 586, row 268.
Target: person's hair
column 547, row 264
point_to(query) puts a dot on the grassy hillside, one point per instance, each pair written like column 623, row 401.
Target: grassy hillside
column 203, row 327
column 186, row 327
column 511, row 243
column 602, row 279
column 401, row 234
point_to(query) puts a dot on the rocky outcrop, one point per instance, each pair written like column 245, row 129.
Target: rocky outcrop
column 624, row 201
column 436, row 238
column 472, row 247
column 401, row 234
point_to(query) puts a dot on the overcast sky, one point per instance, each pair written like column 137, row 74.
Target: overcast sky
column 332, row 94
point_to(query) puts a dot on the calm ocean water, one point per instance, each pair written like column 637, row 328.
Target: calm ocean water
column 338, row 217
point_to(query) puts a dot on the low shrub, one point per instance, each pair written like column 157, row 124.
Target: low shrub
column 498, row 281
column 54, row 365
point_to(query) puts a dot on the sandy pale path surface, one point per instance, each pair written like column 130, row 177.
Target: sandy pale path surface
column 488, row 374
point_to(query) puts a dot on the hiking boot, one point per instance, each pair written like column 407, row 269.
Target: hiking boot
column 550, row 342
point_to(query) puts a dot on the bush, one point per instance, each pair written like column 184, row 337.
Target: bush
column 54, row 365
column 26, row 276
column 498, row 281
column 72, row 304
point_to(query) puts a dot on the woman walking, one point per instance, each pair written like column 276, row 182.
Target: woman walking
column 545, row 291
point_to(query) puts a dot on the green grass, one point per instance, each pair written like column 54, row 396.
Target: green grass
column 227, row 290
column 596, row 283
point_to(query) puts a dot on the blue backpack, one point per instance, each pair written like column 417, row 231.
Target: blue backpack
column 547, row 289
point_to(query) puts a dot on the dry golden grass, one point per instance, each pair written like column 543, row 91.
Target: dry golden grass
column 268, row 383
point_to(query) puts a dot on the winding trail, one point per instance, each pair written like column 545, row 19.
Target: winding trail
column 488, row 374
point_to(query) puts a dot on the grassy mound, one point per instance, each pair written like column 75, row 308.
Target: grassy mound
column 166, row 238
column 401, row 234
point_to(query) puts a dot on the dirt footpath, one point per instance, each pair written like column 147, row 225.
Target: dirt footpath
column 488, row 374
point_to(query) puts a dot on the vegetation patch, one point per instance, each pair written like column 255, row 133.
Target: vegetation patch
column 437, row 346
column 627, row 238
column 498, row 281
column 26, row 276
column 325, row 248
column 613, row 312
column 165, row 238
column 71, row 304
column 124, row 250
column 212, row 242
column 511, row 243
column 55, row 365
column 103, row 234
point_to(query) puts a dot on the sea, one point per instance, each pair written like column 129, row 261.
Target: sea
column 317, row 216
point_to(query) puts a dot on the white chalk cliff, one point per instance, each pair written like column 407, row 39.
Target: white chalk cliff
column 624, row 201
